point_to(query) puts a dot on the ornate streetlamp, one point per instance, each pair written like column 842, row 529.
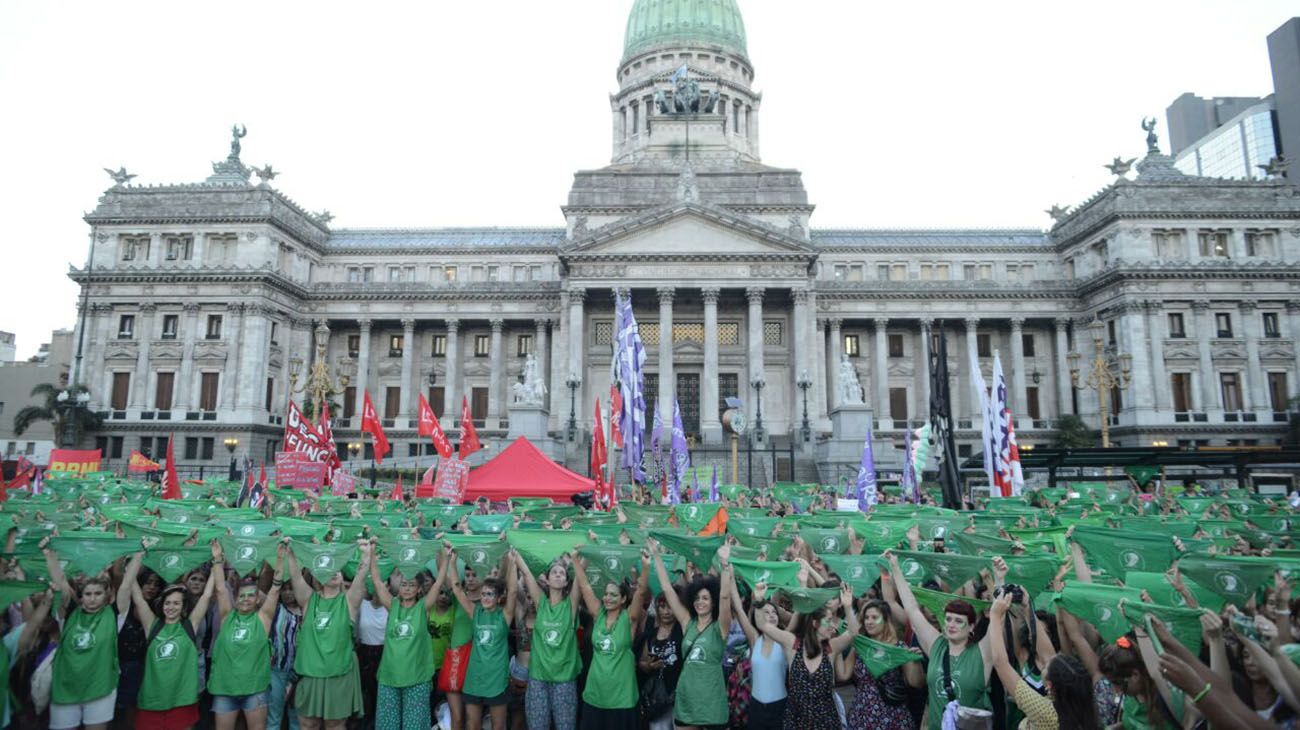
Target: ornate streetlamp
column 354, row 448
column 805, row 382
column 573, row 382
column 231, row 445
column 1101, row 378
column 319, row 386
column 758, row 382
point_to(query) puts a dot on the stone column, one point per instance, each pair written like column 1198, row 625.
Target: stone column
column 184, row 386
column 1209, row 378
column 541, row 353
column 1064, row 389
column 973, row 378
column 710, row 421
column 1256, row 381
column 452, row 389
column 801, row 361
column 254, row 345
column 1139, row 394
column 923, row 388
column 823, row 378
column 1019, row 395
column 667, row 382
column 143, row 335
column 496, row 375
column 577, row 349
column 880, row 372
column 755, row 296
column 836, row 357
column 1155, row 330
column 363, row 361
column 957, row 349
column 1293, row 317
column 408, row 362
column 560, row 363
column 232, row 329
column 1085, row 345
column 815, row 341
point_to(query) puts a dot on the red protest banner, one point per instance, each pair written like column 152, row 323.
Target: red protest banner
column 297, row 470
column 74, row 461
column 300, row 436
column 141, row 463
column 343, row 484
column 452, row 479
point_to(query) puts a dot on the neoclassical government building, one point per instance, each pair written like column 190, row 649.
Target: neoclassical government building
column 205, row 301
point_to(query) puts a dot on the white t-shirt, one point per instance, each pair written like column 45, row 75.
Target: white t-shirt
column 371, row 624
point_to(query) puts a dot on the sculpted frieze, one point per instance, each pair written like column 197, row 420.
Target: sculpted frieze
column 121, row 350
column 209, row 350
column 165, row 350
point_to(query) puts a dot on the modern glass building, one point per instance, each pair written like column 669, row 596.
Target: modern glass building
column 1235, row 149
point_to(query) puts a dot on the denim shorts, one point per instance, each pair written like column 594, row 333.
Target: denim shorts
column 221, row 704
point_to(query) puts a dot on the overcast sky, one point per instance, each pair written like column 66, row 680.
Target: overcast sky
column 396, row 114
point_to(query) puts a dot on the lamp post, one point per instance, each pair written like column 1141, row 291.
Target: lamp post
column 68, row 426
column 231, row 445
column 354, row 448
column 758, row 382
column 805, row 382
column 319, row 385
column 1101, row 377
column 573, row 382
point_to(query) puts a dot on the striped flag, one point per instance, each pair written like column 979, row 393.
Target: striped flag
column 714, row 489
column 679, row 453
column 986, row 408
column 909, row 484
column 631, row 356
column 866, row 484
column 1007, row 477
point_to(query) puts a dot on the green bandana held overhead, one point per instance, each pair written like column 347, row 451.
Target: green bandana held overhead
column 1234, row 578
column 952, row 569
column 610, row 564
column 695, row 517
column 880, row 657
column 540, row 548
column 1183, row 623
column 773, row 573
column 696, row 550
column 1117, row 553
column 825, row 541
column 646, row 517
column 1099, row 606
column 410, row 556
column 247, row 554
column 936, row 601
column 13, row 591
column 171, row 564
column 807, row 600
column 89, row 556
column 859, row 571
column 323, row 561
column 481, row 554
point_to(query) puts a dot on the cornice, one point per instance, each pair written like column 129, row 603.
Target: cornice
column 477, row 253
column 224, row 277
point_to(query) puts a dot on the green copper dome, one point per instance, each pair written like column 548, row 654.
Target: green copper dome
column 657, row 23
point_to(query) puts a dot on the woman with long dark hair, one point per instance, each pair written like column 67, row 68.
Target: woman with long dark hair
column 487, row 674
column 879, row 703
column 661, row 660
column 810, row 704
column 767, row 660
column 241, row 653
column 609, row 701
column 553, row 661
column 1069, row 704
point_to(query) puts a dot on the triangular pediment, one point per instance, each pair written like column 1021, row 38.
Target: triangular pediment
column 689, row 229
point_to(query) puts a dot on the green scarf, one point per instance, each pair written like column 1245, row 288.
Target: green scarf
column 1099, row 606
column 90, row 556
column 954, row 570
column 610, row 564
column 1183, row 623
column 759, row 526
column 1119, row 552
column 695, row 517
column 172, row 563
column 323, row 560
column 480, row 553
column 540, row 548
column 883, row 533
column 974, row 543
column 937, row 601
column 697, row 550
column 880, row 657
column 247, row 554
column 860, row 571
column 302, row 529
column 825, row 541
column 646, row 516
column 1236, row 579
column 774, row 574
column 807, row 600
column 409, row 557
column 490, row 524
column 1034, row 572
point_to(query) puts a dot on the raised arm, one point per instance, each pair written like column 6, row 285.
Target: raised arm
column 58, row 580
column 128, row 580
column 431, row 597
column 142, row 610
column 41, row 605
column 530, row 582
column 512, row 583
column 301, row 590
column 267, row 611
column 583, row 586
column 224, row 604
column 679, row 611
column 636, row 611
column 205, row 599
column 382, row 594
column 751, row 633
column 785, row 638
column 458, row 591
column 998, row 646
column 357, row 588
column 845, row 639
column 925, row 633
column 724, row 597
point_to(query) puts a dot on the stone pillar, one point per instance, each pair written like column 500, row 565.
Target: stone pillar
column 973, row 378
column 1293, row 317
column 880, row 374
column 254, row 345
column 1136, row 343
column 1155, row 331
column 755, row 296
column 1209, row 378
column 816, row 344
column 541, row 353
column 1064, row 389
column 232, row 330
column 822, row 380
column 496, row 375
column 577, row 349
column 802, row 359
column 710, row 420
column 667, row 382
column 836, row 357
column 1089, row 408
column 143, row 335
column 957, row 349
column 184, row 385
column 363, row 361
column 1019, row 394
column 1256, row 382
column 408, row 363
column 452, row 389
column 923, row 388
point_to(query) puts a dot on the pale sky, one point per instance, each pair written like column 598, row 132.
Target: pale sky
column 401, row 114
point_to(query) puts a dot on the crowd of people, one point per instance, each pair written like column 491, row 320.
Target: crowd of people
column 1085, row 607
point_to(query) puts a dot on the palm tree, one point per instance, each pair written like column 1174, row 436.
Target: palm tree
column 65, row 409
column 1073, row 433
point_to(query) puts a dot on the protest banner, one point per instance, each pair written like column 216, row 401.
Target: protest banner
column 141, row 463
column 74, row 461
column 300, row 436
column 343, row 483
column 452, row 479
column 298, row 470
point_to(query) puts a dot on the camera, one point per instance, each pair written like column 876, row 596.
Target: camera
column 1011, row 589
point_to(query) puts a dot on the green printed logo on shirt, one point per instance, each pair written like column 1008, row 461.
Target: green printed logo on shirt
column 240, row 634
column 165, row 651
column 322, row 621
column 606, row 644
column 84, row 640
column 403, row 630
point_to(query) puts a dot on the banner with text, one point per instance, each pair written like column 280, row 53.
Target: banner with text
column 452, row 479
column 81, row 462
column 300, row 436
column 298, row 470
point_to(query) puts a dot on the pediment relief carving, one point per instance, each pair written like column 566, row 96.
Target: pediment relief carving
column 165, row 351
column 209, row 350
column 121, row 351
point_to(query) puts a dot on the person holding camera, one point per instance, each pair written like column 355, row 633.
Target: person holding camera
column 1069, row 704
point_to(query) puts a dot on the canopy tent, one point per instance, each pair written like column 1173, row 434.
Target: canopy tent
column 520, row 470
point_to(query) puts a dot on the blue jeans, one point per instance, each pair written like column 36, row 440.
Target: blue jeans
column 276, row 708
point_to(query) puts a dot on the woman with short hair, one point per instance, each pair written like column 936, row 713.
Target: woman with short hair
column 241, row 652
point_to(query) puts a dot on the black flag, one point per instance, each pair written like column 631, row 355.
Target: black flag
column 941, row 425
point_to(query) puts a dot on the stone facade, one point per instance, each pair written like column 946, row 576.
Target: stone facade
column 204, row 298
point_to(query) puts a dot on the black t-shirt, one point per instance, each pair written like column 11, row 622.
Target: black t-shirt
column 669, row 650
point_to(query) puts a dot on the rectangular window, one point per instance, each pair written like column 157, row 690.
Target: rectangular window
column 1181, row 385
column 482, row 343
column 1031, row 403
column 1213, row 244
column 170, row 324
column 1279, row 394
column 121, row 391
column 354, row 345
column 841, row 272
column 1176, row 328
column 855, row 272
column 1230, row 388
column 115, row 447
column 179, row 248
column 396, row 343
column 191, row 448
column 438, row 401
column 354, row 274
column 895, row 345
column 1111, row 336
column 1223, row 324
column 851, row 346
column 1116, row 401
column 898, row 404
column 986, row 272
column 898, row 272
column 349, row 401
column 478, row 403
column 772, row 333
column 984, row 345
column 162, row 397
column 126, row 327
column 439, row 346
column 208, row 391
column 535, row 272
column 392, row 401
column 214, row 327
column 275, row 333
column 270, row 393
column 728, row 387
column 882, row 272
column 1168, row 245
column 519, row 273
column 449, row 273
column 494, row 273
column 1271, row 328
column 206, row 447
column 524, row 345
column 394, row 273
column 1260, row 243
column 368, row 274
column 1027, row 344
column 969, row 272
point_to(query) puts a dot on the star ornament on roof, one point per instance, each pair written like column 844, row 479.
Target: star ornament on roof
column 1275, row 168
column 325, row 216
column 1058, row 212
column 266, row 174
column 1119, row 167
column 120, row 176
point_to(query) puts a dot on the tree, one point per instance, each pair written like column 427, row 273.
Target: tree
column 1073, row 433
column 66, row 411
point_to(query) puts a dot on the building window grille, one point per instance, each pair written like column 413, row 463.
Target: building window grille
column 728, row 333
column 772, row 333
column 603, row 331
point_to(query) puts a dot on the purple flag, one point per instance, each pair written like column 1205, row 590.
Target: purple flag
column 679, row 455
column 714, row 492
column 630, row 356
column 908, row 484
column 866, row 484
column 695, row 486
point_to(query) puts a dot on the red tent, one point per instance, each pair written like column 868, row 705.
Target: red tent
column 520, row 470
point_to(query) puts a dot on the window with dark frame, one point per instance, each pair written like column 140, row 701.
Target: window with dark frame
column 898, row 404
column 1027, row 345
column 208, row 383
column 169, row 325
column 392, row 401
column 1176, row 327
column 896, row 347
column 852, row 346
column 482, row 345
column 121, row 391
column 349, row 401
column 163, row 391
column 524, row 345
column 1223, row 324
column 1181, row 386
column 354, row 345
column 1279, row 393
column 213, row 331
column 1230, row 388
column 1031, row 403
column 396, row 344
column 126, row 327
column 1271, row 326
column 439, row 346
column 984, row 345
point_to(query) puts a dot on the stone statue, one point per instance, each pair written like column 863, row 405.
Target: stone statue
column 325, row 217
column 237, row 132
column 687, row 189
column 795, row 229
column 850, row 388
column 266, row 174
column 1153, row 142
column 579, row 226
column 661, row 102
column 1119, row 167
column 121, row 176
column 531, row 392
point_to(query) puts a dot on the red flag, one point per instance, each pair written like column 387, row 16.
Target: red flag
column 615, row 415
column 171, row 484
column 332, row 459
column 429, row 426
column 370, row 424
column 468, row 436
column 425, row 487
column 140, row 462
column 397, row 495
column 598, row 456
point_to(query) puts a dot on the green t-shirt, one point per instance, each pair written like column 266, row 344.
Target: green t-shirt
column 440, row 634
column 611, row 680
column 85, row 666
column 462, row 627
column 171, row 670
column 325, row 638
column 555, row 643
column 701, row 689
column 408, row 656
column 489, row 659
column 241, row 657
column 967, row 680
